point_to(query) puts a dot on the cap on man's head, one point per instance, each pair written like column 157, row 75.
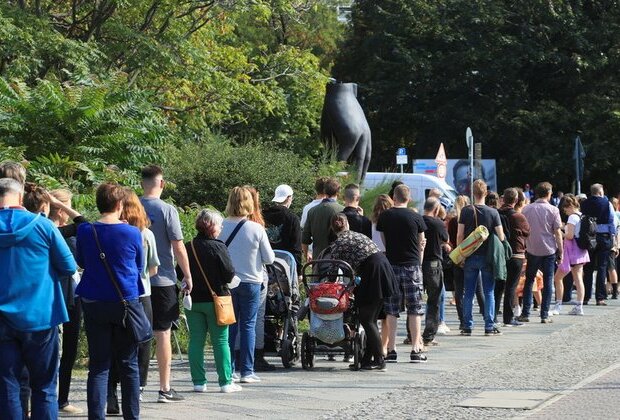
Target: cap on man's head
column 282, row 193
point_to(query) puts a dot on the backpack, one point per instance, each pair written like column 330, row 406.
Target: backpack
column 587, row 233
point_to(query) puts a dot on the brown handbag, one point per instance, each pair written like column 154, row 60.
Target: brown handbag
column 224, row 311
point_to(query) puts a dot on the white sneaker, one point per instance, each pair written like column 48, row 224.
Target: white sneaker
column 517, row 311
column 557, row 309
column 236, row 377
column 227, row 389
column 250, row 379
column 200, row 388
column 577, row 310
column 443, row 329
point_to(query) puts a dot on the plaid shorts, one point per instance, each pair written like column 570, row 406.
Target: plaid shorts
column 411, row 287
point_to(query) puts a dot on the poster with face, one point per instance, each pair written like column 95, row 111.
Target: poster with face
column 457, row 172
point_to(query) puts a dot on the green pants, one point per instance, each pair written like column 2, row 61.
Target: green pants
column 200, row 320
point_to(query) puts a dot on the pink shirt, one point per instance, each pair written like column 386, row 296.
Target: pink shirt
column 544, row 220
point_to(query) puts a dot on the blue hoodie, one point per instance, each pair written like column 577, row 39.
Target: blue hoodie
column 33, row 258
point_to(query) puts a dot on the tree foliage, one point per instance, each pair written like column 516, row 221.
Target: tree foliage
column 526, row 75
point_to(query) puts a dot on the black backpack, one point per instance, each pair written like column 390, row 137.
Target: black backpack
column 587, row 233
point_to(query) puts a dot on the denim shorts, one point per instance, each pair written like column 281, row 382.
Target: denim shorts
column 411, row 287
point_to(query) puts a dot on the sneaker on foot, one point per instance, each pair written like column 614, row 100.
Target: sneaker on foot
column 407, row 340
column 430, row 343
column 200, row 388
column 523, row 319
column 443, row 329
column 601, row 303
column 495, row 331
column 141, row 393
column 250, row 379
column 70, row 409
column 546, row 321
column 169, row 396
column 466, row 332
column 347, row 358
column 391, row 357
column 556, row 310
column 380, row 367
column 233, row 387
column 236, row 377
column 417, row 357
column 577, row 310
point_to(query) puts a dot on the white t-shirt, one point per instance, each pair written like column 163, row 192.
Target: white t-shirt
column 575, row 220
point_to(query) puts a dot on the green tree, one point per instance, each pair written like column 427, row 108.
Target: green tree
column 527, row 76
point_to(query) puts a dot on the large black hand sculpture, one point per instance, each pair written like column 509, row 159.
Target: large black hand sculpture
column 344, row 126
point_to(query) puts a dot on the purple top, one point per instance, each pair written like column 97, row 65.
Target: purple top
column 544, row 220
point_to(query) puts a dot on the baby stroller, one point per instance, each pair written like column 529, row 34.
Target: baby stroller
column 334, row 321
column 281, row 309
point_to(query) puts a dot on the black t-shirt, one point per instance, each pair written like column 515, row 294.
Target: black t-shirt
column 401, row 227
column 357, row 222
column 436, row 234
column 487, row 216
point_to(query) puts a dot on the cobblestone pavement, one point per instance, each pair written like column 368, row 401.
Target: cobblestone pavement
column 535, row 357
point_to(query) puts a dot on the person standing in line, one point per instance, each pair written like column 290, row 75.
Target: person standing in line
column 377, row 282
column 457, row 273
column 317, row 230
column 477, row 264
column 109, row 340
column 283, row 227
column 403, row 234
column 319, row 188
column 355, row 214
column 382, row 203
column 260, row 363
column 61, row 214
column 544, row 248
column 135, row 215
column 36, row 256
column 518, row 231
column 599, row 207
column 574, row 257
column 249, row 250
column 166, row 228
column 214, row 260
column 432, row 269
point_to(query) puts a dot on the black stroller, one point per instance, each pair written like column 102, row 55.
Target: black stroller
column 334, row 321
column 281, row 309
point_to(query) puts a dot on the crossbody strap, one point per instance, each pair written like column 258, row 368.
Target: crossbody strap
column 104, row 261
column 234, row 232
column 204, row 275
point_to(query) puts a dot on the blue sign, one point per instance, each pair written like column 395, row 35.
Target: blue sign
column 401, row 151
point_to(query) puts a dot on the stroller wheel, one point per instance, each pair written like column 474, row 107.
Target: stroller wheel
column 287, row 353
column 359, row 347
column 307, row 352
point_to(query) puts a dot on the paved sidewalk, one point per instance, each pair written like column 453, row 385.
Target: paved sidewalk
column 549, row 357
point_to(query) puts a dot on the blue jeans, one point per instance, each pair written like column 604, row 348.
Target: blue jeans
column 109, row 341
column 38, row 351
column 474, row 266
column 246, row 300
column 545, row 264
column 442, row 305
column 598, row 260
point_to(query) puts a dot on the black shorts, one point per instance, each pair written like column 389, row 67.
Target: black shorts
column 165, row 304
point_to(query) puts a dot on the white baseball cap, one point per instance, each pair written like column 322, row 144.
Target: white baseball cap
column 282, row 193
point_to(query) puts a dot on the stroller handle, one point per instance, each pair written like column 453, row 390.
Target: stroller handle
column 346, row 269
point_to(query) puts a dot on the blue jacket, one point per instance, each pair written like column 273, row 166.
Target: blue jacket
column 33, row 258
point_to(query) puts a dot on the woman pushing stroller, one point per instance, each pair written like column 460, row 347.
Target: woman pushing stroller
column 377, row 283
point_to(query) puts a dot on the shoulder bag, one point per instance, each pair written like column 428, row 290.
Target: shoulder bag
column 134, row 319
column 470, row 244
column 224, row 311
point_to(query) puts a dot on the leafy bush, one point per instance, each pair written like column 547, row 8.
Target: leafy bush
column 205, row 171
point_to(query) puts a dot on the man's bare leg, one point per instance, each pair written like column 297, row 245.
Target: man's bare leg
column 163, row 351
column 388, row 333
column 415, row 326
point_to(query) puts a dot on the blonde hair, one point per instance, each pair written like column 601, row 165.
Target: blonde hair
column 133, row 211
column 480, row 188
column 460, row 202
column 63, row 195
column 240, row 202
column 382, row 203
column 257, row 214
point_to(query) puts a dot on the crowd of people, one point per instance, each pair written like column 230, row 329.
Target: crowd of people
column 63, row 270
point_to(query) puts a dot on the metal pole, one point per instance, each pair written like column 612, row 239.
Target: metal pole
column 471, row 169
column 577, row 157
column 401, row 168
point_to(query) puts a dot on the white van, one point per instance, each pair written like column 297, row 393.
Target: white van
column 419, row 184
